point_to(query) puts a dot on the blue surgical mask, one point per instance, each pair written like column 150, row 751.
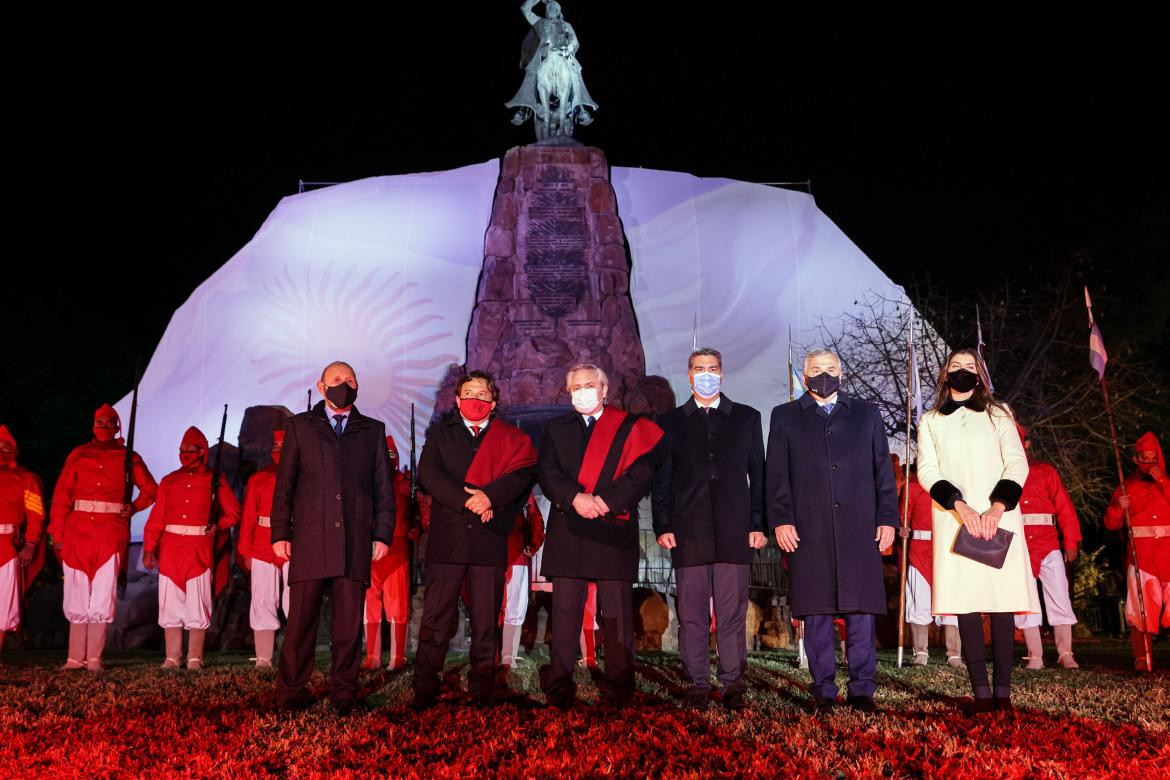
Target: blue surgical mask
column 706, row 384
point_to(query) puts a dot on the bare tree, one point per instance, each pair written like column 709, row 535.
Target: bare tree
column 1037, row 353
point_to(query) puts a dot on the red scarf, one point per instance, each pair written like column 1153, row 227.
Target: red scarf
column 504, row 449
column 644, row 436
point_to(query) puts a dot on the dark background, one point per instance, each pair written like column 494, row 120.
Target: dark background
column 963, row 149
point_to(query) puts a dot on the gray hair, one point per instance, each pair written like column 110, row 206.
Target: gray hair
column 601, row 375
column 816, row 353
column 705, row 352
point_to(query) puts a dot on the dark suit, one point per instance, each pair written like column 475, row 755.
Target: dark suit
column 578, row 550
column 334, row 496
column 830, row 476
column 710, row 495
column 460, row 546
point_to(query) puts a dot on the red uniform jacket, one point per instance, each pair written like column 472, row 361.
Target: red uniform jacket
column 21, row 505
column 95, row 472
column 921, row 510
column 403, row 526
column 256, row 540
column 1044, row 494
column 184, row 498
column 529, row 532
column 1149, row 504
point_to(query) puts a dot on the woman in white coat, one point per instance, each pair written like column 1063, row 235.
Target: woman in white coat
column 971, row 462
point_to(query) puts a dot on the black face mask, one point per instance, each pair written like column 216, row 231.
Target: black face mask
column 341, row 396
column 823, row 384
column 962, row 380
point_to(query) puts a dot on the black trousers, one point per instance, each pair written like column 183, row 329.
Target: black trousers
column 440, row 619
column 299, row 652
column 1003, row 636
column 615, row 607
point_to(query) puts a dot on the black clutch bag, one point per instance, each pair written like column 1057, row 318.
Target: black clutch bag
column 990, row 552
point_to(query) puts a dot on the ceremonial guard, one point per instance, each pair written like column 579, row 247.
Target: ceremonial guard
column 389, row 591
column 920, row 579
column 22, row 521
column 525, row 539
column 180, row 538
column 89, row 522
column 267, row 571
column 1047, row 509
column 1146, row 496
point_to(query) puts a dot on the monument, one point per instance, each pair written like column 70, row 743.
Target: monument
column 555, row 285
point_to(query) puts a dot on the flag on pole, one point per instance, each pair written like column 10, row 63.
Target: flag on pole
column 1097, row 356
column 797, row 385
column 979, row 348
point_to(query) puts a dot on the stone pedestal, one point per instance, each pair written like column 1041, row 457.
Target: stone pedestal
column 554, row 290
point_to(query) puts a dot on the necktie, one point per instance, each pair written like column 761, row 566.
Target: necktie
column 588, row 423
column 337, row 420
column 828, row 408
column 474, row 431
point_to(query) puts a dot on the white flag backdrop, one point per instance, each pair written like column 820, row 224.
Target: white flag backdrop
column 382, row 273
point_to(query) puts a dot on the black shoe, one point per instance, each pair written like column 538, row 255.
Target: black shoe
column 980, row 706
column 1003, row 704
column 735, row 699
column 300, row 700
column 482, row 701
column 423, row 701
column 563, row 701
column 348, row 707
column 862, row 703
column 696, row 699
column 823, row 706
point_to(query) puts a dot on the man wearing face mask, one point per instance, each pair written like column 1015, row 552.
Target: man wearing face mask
column 596, row 464
column 332, row 513
column 708, row 504
column 833, row 504
column 1146, row 494
column 22, row 518
column 478, row 471
column 90, row 526
column 180, row 539
column 267, row 571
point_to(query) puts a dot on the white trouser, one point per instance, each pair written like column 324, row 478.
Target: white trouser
column 516, row 596
column 92, row 601
column 1157, row 601
column 10, row 596
column 266, row 590
column 187, row 607
column 1057, row 603
column 918, row 602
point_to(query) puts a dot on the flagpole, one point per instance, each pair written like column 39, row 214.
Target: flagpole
column 801, row 658
column 1133, row 553
column 905, row 524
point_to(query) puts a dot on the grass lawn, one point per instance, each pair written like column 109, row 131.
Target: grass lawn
column 134, row 720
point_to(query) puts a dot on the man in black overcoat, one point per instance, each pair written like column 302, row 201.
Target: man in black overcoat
column 332, row 513
column 596, row 464
column 708, row 502
column 478, row 471
column 833, row 503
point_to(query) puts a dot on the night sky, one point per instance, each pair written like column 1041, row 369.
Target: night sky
column 967, row 149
